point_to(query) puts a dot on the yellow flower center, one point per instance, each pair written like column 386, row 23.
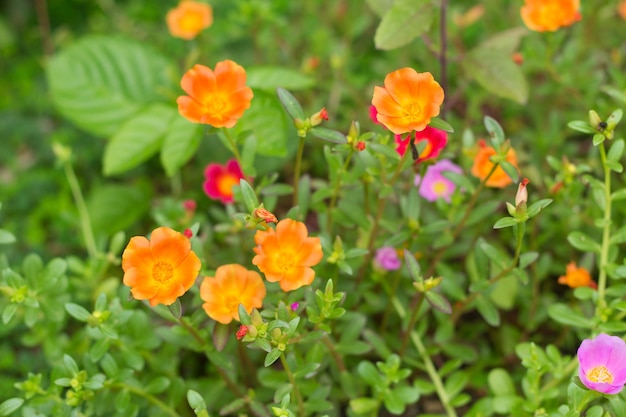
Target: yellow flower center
column 232, row 302
column 413, row 111
column 162, row 272
column 600, row 374
column 225, row 184
column 440, row 187
column 428, row 149
column 191, row 22
column 285, row 263
column 217, row 105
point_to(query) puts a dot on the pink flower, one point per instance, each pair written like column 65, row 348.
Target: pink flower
column 387, row 259
column 603, row 363
column 435, row 141
column 434, row 185
column 374, row 115
column 220, row 180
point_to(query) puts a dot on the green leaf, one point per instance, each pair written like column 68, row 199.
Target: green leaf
column 157, row 385
column 249, row 196
column 9, row 406
column 492, row 253
column 536, row 207
column 488, row 310
column 100, row 82
column 500, row 382
column 611, row 91
column 270, row 78
column 582, row 242
column 616, row 151
column 364, row 406
column 405, row 21
column 527, row 258
column 507, row 41
column 6, row 237
column 291, row 105
column 565, row 315
column 114, row 207
column 505, row 222
column 78, row 312
column 138, row 139
column 328, row 135
column 385, row 150
column 180, row 143
column 370, row 374
column 272, row 357
column 176, row 309
column 441, row 124
column 70, row 364
column 267, row 120
column 495, row 131
column 496, row 72
column 8, row 313
column 460, row 180
column 220, row 335
column 582, row 126
column 277, row 189
column 615, row 117
column 244, row 317
column 196, row 402
column 413, row 265
column 510, row 170
column 438, row 302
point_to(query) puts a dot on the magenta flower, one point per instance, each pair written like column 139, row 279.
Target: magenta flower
column 374, row 115
column 603, row 363
column 220, row 180
column 436, row 140
column 387, row 258
column 434, row 185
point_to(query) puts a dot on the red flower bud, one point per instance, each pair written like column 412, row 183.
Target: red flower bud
column 242, row 332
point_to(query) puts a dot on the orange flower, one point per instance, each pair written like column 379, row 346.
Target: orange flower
column 232, row 285
column 408, row 100
column 160, row 269
column 287, row 254
column 217, row 98
column 550, row 15
column 621, row 9
column 576, row 277
column 483, row 166
column 188, row 19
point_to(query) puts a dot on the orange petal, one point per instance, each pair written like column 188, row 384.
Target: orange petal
column 190, row 109
column 290, row 234
column 143, row 287
column 187, row 271
column 385, row 104
column 405, row 85
column 296, row 278
column 169, row 246
column 230, row 76
column 310, row 252
column 200, row 83
column 137, row 253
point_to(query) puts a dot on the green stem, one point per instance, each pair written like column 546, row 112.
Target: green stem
column 411, row 324
column 233, row 146
column 292, row 381
column 333, row 352
column 459, row 306
column 164, row 407
column 433, row 374
column 83, row 213
column 296, row 171
column 606, row 233
column 335, row 195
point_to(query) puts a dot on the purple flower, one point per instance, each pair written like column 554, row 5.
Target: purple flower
column 294, row 306
column 387, row 258
column 434, row 185
column 603, row 363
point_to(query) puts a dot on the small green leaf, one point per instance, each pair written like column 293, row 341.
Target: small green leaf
column 8, row 313
column 500, row 382
column 616, row 151
column 220, row 335
column 441, row 124
column 180, row 143
column 9, row 406
column 495, row 131
column 505, row 222
column 615, row 117
column 510, row 170
column 385, row 150
column 565, row 315
column 249, row 197
column 582, row 126
column 291, row 105
column 70, row 364
column 196, row 402
column 6, row 237
column 157, row 385
column 176, row 309
column 536, row 207
column 272, row 357
column 370, row 374
column 78, row 312
column 413, row 265
column 438, row 302
column 488, row 310
column 328, row 135
column 492, row 253
column 527, row 258
column 244, row 317
column 598, row 138
column 364, row 406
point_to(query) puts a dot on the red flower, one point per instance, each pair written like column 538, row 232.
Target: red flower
column 435, row 139
column 220, row 180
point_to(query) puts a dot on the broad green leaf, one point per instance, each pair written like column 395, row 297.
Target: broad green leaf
column 9, row 406
column 6, row 237
column 157, row 385
column 488, row 310
column 405, row 21
column 565, row 315
column 615, row 117
column 267, row 120
column 272, row 357
column 495, row 131
column 413, row 265
column 244, row 317
column 507, row 41
column 115, row 207
column 249, row 196
column 500, row 382
column 581, row 126
column 290, row 103
column 495, row 71
column 380, row 7
column 101, row 82
column 441, row 124
column 138, row 139
column 616, row 150
column 583, row 242
column 180, row 143
column 270, row 78
column 78, row 312
column 505, row 222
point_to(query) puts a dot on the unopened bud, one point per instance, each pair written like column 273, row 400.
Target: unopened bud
column 264, row 214
column 359, row 146
column 319, row 117
column 594, row 119
column 242, row 332
column 188, row 233
column 522, row 193
column 189, row 205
